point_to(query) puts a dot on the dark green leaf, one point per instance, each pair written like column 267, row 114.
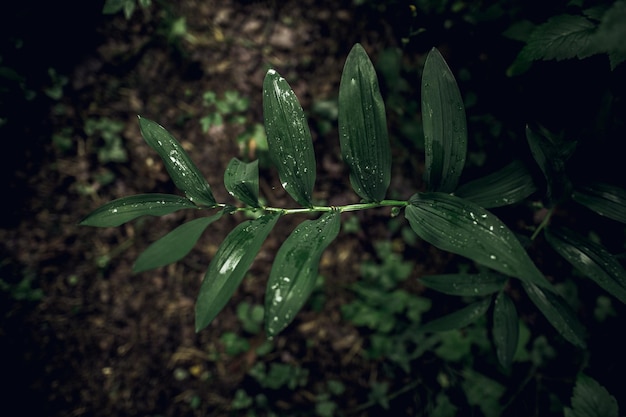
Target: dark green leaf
column 510, row 185
column 593, row 260
column 242, row 181
column 181, row 169
column 229, row 265
column 175, row 245
column 445, row 129
column 558, row 313
column 611, row 33
column 462, row 227
column 363, row 127
column 288, row 138
column 294, row 272
column 125, row 209
column 561, row 37
column 551, row 155
column 505, row 329
column 591, row 399
column 465, row 284
column 458, row 319
column 606, row 200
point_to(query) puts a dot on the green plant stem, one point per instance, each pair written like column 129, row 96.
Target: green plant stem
column 341, row 209
column 543, row 223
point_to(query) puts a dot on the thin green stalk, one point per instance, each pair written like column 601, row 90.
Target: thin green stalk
column 543, row 224
column 341, row 209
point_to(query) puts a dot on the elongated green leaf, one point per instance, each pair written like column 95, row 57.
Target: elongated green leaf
column 505, row 329
column 295, row 270
column 509, row 185
column 125, row 209
column 461, row 318
column 462, row 227
column 558, row 313
column 363, row 127
column 445, row 127
column 551, row 155
column 242, row 181
column 591, row 259
column 288, row 138
column 606, row 200
column 180, row 167
column 229, row 265
column 175, row 245
column 591, row 399
column 465, row 284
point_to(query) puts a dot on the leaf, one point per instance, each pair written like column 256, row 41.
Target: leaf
column 561, row 37
column 509, row 185
column 445, row 129
column 606, row 200
column 125, row 209
column 465, row 284
column 229, row 265
column 611, row 33
column 295, row 267
column 558, row 313
column 181, row 169
column 242, row 181
column 591, row 399
column 458, row 319
column 175, row 245
column 551, row 155
column 591, row 259
column 462, row 227
column 363, row 127
column 288, row 138
column 505, row 329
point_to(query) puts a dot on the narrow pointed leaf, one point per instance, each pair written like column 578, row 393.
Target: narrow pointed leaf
column 229, row 266
column 288, row 138
column 505, row 329
column 125, row 209
column 295, row 267
column 551, row 156
column 242, row 181
column 363, row 127
column 558, row 313
column 509, row 185
column 180, row 167
column 606, row 200
column 458, row 319
column 466, row 284
column 175, row 245
column 445, row 127
column 462, row 227
column 590, row 258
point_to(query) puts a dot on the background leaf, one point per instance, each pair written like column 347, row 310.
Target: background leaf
column 288, row 138
column 229, row 265
column 363, row 127
column 591, row 399
column 459, row 318
column 125, row 209
column 558, row 313
column 505, row 329
column 295, row 267
column 465, row 284
column 509, row 185
column 593, row 260
column 242, row 181
column 462, row 227
column 174, row 245
column 445, row 127
column 606, row 200
column 181, row 169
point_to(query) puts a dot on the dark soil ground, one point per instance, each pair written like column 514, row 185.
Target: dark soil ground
column 104, row 342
